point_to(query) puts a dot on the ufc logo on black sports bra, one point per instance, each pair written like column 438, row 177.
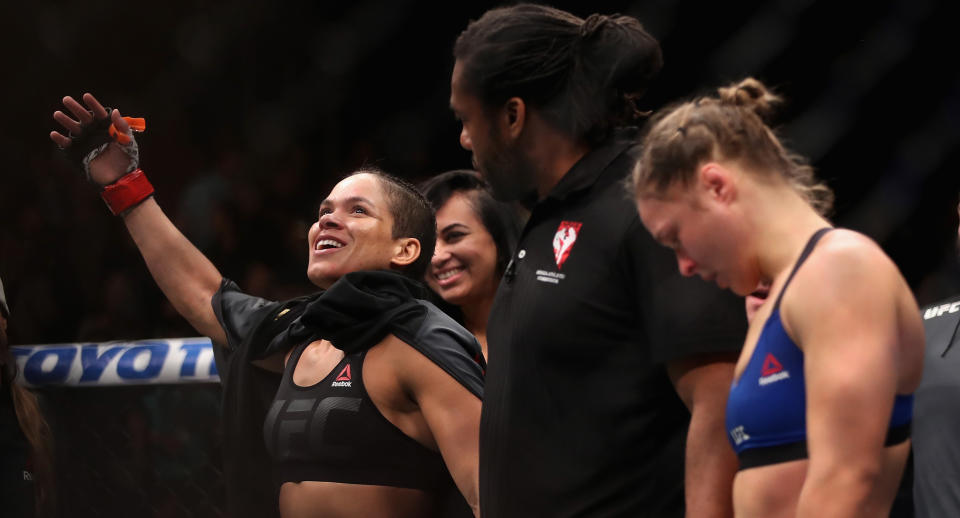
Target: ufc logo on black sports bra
column 289, row 418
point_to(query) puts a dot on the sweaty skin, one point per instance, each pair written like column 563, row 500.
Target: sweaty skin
column 393, row 372
column 848, row 309
column 412, row 392
column 788, row 489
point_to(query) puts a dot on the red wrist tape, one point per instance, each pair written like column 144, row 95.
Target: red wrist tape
column 127, row 192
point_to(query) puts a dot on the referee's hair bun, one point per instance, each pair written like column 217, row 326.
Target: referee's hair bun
column 619, row 52
column 750, row 94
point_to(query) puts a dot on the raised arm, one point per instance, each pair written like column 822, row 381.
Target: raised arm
column 842, row 311
column 182, row 272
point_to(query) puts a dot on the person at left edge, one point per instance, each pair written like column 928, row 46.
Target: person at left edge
column 26, row 458
column 380, row 392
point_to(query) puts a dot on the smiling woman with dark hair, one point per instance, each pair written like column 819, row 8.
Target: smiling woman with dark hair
column 377, row 407
column 476, row 236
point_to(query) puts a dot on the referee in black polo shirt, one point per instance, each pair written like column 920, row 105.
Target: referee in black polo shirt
column 605, row 364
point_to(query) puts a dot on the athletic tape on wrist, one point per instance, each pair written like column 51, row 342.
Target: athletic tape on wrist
column 127, row 192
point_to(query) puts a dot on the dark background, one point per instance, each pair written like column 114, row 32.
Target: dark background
column 254, row 110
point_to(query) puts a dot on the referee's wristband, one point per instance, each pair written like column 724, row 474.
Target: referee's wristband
column 127, row 192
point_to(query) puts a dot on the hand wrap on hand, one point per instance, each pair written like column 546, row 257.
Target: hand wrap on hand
column 94, row 138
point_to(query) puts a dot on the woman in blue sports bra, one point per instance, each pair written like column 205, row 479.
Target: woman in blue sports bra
column 820, row 408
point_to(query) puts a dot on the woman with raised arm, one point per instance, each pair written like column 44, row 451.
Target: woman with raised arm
column 820, row 408
column 476, row 236
column 376, row 411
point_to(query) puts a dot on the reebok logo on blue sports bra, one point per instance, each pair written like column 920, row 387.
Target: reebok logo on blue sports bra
column 767, row 422
column 771, row 371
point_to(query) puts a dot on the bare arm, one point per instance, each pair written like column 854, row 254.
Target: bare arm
column 703, row 384
column 451, row 413
column 845, row 320
column 182, row 272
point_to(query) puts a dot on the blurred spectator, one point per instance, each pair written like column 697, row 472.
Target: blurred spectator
column 121, row 313
column 26, row 488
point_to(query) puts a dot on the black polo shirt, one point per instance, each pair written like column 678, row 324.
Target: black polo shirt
column 579, row 416
column 936, row 415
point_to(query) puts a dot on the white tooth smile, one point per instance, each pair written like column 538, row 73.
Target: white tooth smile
column 328, row 243
column 449, row 273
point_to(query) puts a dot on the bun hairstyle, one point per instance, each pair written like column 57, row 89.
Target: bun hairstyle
column 584, row 76
column 751, row 95
column 731, row 126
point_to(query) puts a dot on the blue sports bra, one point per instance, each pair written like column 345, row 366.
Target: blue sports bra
column 766, row 411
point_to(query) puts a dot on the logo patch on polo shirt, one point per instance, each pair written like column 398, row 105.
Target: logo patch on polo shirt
column 564, row 239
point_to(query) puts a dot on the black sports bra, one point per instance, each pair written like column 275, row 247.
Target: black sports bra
column 332, row 432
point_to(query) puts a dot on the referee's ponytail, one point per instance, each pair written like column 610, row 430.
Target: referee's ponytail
column 584, row 76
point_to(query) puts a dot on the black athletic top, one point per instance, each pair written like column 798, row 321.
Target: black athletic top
column 354, row 314
column 333, row 432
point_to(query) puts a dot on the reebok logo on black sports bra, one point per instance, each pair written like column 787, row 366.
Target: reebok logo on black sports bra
column 343, row 379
